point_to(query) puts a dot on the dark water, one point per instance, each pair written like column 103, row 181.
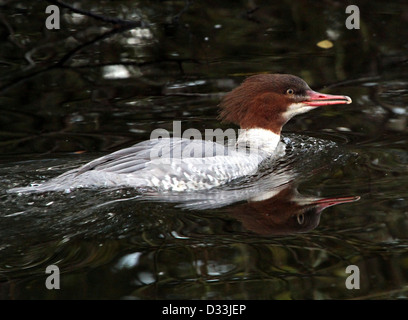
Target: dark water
column 93, row 87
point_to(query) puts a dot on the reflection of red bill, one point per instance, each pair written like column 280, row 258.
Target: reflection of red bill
column 328, row 202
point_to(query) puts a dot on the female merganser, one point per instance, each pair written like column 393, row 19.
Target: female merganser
column 261, row 106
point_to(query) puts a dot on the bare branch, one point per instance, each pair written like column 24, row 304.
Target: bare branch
column 97, row 16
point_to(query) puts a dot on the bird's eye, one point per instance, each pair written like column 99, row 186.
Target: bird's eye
column 290, row 91
column 300, row 218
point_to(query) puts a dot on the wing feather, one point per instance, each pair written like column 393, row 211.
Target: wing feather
column 139, row 156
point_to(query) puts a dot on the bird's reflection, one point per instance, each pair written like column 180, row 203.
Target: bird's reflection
column 286, row 212
column 279, row 210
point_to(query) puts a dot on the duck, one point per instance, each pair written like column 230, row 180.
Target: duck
column 260, row 106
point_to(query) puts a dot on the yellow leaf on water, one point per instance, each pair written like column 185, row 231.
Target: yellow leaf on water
column 325, row 44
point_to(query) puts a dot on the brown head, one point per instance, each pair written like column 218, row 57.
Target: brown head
column 268, row 101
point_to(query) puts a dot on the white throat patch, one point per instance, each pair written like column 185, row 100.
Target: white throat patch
column 296, row 108
column 262, row 139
